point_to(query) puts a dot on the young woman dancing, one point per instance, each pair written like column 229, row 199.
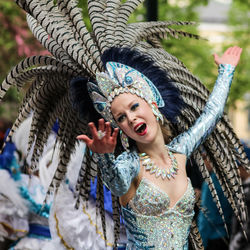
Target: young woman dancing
column 155, row 194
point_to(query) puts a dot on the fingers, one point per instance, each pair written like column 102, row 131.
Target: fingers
column 230, row 56
column 84, row 138
column 115, row 133
column 238, row 51
column 235, row 50
column 101, row 125
column 235, row 53
column 93, row 130
column 108, row 129
column 228, row 50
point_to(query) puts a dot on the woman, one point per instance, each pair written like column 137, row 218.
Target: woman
column 150, row 178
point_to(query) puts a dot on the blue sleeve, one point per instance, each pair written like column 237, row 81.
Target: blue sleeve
column 188, row 141
column 117, row 174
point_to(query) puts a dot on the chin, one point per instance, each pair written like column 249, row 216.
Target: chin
column 146, row 141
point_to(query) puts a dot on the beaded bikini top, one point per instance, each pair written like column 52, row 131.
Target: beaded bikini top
column 152, row 224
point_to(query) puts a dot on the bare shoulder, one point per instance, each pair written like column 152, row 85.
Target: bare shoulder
column 181, row 158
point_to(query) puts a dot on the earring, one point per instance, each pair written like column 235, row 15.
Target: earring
column 157, row 113
column 124, row 141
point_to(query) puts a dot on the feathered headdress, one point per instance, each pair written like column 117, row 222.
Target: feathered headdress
column 78, row 55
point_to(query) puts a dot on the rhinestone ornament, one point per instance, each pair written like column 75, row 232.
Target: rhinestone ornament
column 157, row 171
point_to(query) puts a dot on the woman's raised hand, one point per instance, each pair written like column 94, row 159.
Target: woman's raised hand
column 102, row 140
column 230, row 56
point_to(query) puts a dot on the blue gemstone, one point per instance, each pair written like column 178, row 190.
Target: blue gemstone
column 100, row 107
column 128, row 80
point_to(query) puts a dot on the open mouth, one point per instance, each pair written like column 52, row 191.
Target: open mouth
column 141, row 128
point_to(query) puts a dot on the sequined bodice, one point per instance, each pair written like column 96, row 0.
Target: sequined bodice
column 154, row 224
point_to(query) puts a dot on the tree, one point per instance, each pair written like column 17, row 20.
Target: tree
column 239, row 20
column 16, row 42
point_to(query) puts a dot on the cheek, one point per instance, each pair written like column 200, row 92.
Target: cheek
column 149, row 114
column 124, row 127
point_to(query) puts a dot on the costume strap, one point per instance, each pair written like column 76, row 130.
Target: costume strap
column 188, row 141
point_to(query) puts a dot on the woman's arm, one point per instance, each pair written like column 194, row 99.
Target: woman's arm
column 117, row 174
column 188, row 141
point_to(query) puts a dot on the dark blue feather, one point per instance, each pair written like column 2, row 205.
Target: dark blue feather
column 81, row 100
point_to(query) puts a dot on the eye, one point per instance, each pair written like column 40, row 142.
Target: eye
column 121, row 118
column 134, row 106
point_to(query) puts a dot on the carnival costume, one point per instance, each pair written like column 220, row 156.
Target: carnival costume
column 117, row 48
column 75, row 228
column 23, row 219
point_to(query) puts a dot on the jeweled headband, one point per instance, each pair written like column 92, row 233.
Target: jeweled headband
column 118, row 79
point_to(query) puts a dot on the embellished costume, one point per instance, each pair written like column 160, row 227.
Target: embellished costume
column 153, row 223
column 73, row 228
column 150, row 222
column 23, row 218
column 80, row 59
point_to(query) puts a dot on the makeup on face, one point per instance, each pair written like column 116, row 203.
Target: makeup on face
column 134, row 117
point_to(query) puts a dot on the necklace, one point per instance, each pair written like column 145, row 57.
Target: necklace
column 154, row 169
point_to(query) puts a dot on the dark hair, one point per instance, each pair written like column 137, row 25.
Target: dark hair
column 81, row 101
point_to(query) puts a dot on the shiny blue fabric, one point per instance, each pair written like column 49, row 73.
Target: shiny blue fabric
column 39, row 231
column 107, row 195
column 8, row 161
column 118, row 173
column 188, row 141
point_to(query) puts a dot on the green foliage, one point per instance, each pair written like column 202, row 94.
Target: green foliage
column 13, row 26
column 10, row 16
column 83, row 4
column 239, row 20
column 9, row 11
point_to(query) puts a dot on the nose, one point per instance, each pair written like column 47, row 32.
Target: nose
column 131, row 117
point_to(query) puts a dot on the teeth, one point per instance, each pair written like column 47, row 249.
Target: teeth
column 139, row 127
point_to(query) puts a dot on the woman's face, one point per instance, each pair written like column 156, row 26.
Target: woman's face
column 135, row 118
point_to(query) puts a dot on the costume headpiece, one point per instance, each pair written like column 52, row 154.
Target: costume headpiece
column 118, row 79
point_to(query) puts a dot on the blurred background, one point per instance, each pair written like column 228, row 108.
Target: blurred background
column 221, row 23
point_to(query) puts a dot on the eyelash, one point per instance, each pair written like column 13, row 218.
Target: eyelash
column 133, row 108
column 121, row 118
